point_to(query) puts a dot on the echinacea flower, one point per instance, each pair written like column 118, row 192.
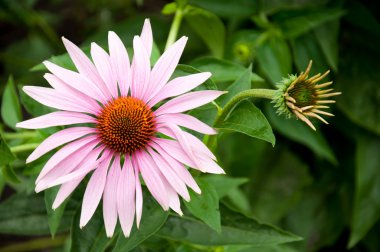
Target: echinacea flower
column 122, row 126
column 303, row 97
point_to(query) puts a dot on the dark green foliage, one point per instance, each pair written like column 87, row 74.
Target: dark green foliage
column 322, row 187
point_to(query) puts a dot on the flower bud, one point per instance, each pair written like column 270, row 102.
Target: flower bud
column 303, row 97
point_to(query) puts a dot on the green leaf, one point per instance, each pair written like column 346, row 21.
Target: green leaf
column 285, row 177
column 272, row 6
column 238, row 200
column 224, row 184
column 241, row 46
column 205, row 206
column 24, row 52
column 303, row 21
column 306, row 48
column 23, row 215
column 222, row 70
column 327, row 37
column 319, row 216
column 246, row 118
column 248, row 248
column 9, row 174
column 275, row 58
column 169, row 8
column 367, row 188
column 240, row 163
column 10, row 106
column 236, row 229
column 359, row 83
column 153, row 217
column 236, row 8
column 228, row 187
column 54, row 216
column 299, row 132
column 241, row 84
column 361, row 16
column 91, row 238
column 5, row 153
column 2, row 183
column 209, row 27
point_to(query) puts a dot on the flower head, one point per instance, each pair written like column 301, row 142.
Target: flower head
column 303, row 97
column 118, row 111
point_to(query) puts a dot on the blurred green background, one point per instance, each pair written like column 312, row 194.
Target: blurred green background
column 323, row 186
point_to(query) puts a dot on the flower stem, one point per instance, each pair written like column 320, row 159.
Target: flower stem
column 250, row 93
column 20, row 135
column 174, row 27
column 210, row 141
column 24, row 147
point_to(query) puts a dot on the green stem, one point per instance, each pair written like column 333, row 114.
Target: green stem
column 20, row 135
column 24, row 147
column 174, row 27
column 210, row 141
column 36, row 244
column 250, row 93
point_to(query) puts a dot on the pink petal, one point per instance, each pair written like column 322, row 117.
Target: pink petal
column 174, row 202
column 179, row 86
column 91, row 163
column 170, row 175
column 69, row 164
column 204, row 163
column 140, row 69
column 179, row 169
column 110, row 197
column 126, row 197
column 188, row 101
column 64, row 191
column 94, row 192
column 63, row 153
column 54, row 99
column 77, row 81
column 208, row 165
column 58, row 139
column 165, row 66
column 58, row 118
column 174, row 150
column 147, row 37
column 151, row 176
column 186, row 121
column 202, row 157
column 85, row 66
column 175, row 132
column 139, row 196
column 120, row 62
column 78, row 97
column 103, row 65
column 196, row 144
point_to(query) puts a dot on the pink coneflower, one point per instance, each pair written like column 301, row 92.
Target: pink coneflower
column 121, row 139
